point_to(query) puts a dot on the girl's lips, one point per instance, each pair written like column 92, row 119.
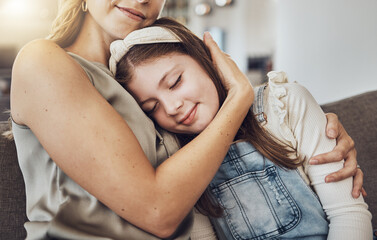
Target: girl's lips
column 132, row 13
column 190, row 116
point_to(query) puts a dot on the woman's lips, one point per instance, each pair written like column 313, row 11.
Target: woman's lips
column 190, row 116
column 132, row 13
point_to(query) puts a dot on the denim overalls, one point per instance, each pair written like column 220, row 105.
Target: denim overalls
column 262, row 200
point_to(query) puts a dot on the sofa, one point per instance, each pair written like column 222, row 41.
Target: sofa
column 358, row 114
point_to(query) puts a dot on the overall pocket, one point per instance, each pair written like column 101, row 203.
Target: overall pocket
column 257, row 205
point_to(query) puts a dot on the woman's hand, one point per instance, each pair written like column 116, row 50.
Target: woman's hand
column 345, row 149
column 232, row 78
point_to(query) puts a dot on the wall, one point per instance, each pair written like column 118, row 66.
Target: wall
column 20, row 22
column 328, row 46
column 249, row 27
column 23, row 20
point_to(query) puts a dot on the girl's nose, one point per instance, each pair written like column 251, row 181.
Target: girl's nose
column 172, row 107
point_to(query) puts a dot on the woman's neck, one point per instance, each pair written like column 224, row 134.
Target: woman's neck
column 92, row 43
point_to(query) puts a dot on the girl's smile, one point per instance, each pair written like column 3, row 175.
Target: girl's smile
column 188, row 119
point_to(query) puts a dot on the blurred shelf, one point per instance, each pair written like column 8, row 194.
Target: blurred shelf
column 177, row 9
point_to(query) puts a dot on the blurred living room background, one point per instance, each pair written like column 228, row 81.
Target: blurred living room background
column 327, row 46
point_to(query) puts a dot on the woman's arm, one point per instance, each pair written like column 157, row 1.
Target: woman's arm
column 92, row 144
column 349, row 217
column 344, row 149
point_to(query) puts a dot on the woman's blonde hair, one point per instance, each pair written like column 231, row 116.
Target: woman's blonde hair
column 67, row 23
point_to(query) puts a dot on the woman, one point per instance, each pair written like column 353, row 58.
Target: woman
column 257, row 192
column 91, row 159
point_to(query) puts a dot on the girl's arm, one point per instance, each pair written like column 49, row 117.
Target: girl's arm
column 344, row 149
column 349, row 217
column 92, row 144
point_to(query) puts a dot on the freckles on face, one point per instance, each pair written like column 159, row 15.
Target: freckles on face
column 177, row 92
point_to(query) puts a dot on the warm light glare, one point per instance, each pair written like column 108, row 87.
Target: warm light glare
column 222, row 3
column 15, row 8
column 202, row 9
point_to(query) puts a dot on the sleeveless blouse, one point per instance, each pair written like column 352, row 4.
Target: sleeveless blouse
column 57, row 207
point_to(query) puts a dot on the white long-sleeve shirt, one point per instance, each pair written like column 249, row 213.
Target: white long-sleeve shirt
column 295, row 118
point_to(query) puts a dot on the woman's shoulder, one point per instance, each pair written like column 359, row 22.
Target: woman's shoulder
column 42, row 61
column 39, row 46
column 40, row 51
column 40, row 69
column 41, row 42
column 39, row 57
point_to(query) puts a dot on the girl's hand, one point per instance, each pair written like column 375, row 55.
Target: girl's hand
column 232, row 77
column 345, row 149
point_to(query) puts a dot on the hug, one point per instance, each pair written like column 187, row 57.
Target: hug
column 131, row 127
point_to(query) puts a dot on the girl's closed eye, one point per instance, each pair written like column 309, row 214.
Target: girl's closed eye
column 150, row 111
column 176, row 83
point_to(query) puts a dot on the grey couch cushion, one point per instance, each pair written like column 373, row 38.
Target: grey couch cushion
column 12, row 191
column 4, row 106
column 358, row 115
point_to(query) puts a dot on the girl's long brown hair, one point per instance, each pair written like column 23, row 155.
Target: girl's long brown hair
column 250, row 129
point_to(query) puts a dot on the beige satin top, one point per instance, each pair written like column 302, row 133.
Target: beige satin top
column 59, row 208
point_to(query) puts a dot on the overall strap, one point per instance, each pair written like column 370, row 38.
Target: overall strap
column 258, row 106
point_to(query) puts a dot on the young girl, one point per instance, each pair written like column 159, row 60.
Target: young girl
column 261, row 190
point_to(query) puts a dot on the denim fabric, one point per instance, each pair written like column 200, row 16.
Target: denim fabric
column 264, row 201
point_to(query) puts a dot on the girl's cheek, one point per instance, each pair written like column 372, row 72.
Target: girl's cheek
column 157, row 118
column 160, row 118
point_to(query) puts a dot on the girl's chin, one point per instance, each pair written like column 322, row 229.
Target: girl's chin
column 188, row 132
column 196, row 131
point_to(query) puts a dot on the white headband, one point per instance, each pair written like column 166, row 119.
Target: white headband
column 119, row 48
